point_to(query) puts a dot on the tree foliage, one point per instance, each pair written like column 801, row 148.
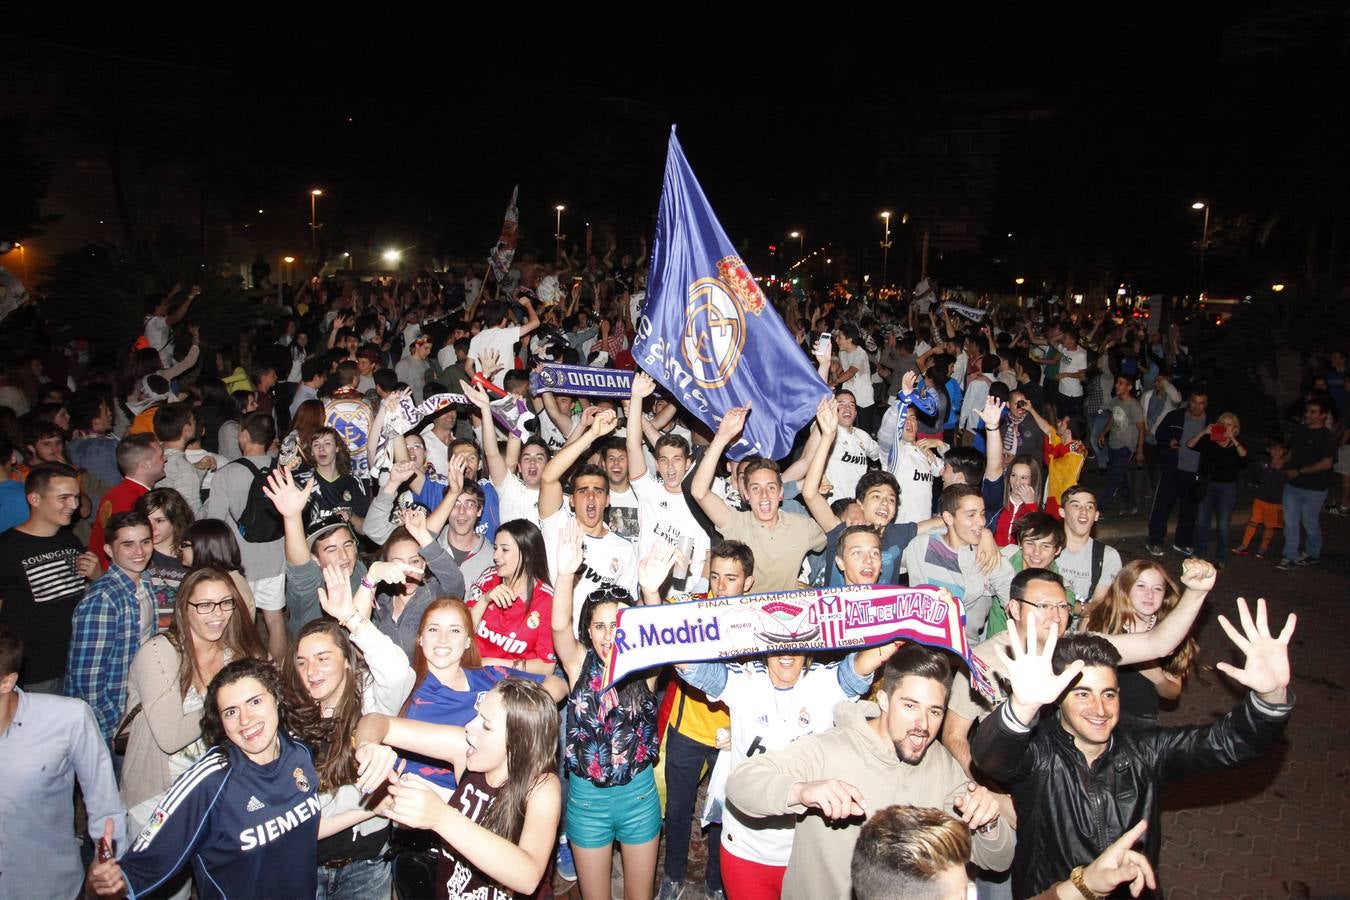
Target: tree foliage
column 99, row 292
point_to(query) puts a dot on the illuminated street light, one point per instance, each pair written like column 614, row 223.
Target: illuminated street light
column 288, row 259
column 314, row 226
column 1277, row 287
column 1019, row 280
column 558, row 235
column 1204, row 242
column 885, row 245
column 391, row 256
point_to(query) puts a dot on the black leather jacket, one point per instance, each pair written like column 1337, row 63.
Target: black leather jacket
column 1069, row 812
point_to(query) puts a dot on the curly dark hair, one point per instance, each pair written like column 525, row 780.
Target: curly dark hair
column 213, row 730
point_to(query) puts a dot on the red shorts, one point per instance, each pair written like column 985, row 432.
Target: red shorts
column 746, row 880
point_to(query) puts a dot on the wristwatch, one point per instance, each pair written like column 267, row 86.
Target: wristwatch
column 1076, row 876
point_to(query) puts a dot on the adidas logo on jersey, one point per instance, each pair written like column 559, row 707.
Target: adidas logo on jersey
column 254, row 804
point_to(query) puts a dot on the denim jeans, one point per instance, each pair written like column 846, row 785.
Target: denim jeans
column 359, row 880
column 1302, row 508
column 686, row 760
column 1217, row 504
column 1118, row 478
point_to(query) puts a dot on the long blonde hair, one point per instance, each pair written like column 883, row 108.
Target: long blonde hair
column 1115, row 614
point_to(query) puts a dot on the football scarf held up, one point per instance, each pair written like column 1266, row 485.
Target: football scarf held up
column 582, row 381
column 847, row 618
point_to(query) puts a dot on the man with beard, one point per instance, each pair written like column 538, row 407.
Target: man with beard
column 878, row 754
column 775, row 702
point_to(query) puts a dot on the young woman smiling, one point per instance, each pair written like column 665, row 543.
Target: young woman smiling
column 337, row 671
column 500, row 823
column 245, row 816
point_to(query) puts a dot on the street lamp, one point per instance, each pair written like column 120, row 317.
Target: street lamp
column 1277, row 287
column 288, row 260
column 801, row 242
column 314, row 196
column 1204, row 241
column 391, row 256
column 558, row 235
column 1019, row 281
column 885, row 245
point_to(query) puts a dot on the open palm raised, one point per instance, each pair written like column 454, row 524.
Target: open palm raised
column 1266, row 670
column 1033, row 677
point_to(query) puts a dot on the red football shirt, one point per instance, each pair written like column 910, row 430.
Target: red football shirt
column 514, row 633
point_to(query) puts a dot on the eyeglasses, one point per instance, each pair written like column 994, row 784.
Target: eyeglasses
column 1047, row 607
column 207, row 607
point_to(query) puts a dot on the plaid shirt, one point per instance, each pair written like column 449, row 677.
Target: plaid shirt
column 105, row 635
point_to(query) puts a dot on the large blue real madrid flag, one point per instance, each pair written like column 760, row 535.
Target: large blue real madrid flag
column 708, row 335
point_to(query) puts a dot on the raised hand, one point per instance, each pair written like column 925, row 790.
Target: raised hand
column 1119, row 864
column 1198, row 575
column 570, row 549
column 477, row 396
column 390, row 403
column 656, row 565
column 909, row 381
column 834, row 798
column 455, row 474
column 289, row 499
column 643, row 386
column 490, row 363
column 336, row 595
column 1034, row 681
column 415, row 520
column 732, row 424
column 400, row 472
column 827, row 415
column 992, row 414
column 604, row 422
column 1266, row 671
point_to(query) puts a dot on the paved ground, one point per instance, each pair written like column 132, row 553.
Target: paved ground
column 1279, row 828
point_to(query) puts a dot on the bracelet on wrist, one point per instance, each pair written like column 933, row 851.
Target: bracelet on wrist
column 1076, row 876
column 367, row 584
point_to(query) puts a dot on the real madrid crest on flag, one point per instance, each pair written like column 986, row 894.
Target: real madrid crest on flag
column 708, row 335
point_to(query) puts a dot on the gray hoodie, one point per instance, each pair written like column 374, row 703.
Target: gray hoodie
column 852, row 752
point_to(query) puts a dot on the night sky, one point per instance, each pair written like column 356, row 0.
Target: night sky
column 789, row 118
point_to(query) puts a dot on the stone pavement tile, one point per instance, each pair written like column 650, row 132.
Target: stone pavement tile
column 1260, row 829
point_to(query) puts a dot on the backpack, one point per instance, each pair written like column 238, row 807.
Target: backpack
column 259, row 523
column 1098, row 559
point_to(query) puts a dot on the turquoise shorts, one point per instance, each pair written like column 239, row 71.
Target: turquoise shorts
column 598, row 816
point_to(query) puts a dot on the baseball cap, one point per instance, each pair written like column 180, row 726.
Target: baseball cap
column 325, row 525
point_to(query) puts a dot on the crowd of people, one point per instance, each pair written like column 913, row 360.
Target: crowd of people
column 283, row 650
